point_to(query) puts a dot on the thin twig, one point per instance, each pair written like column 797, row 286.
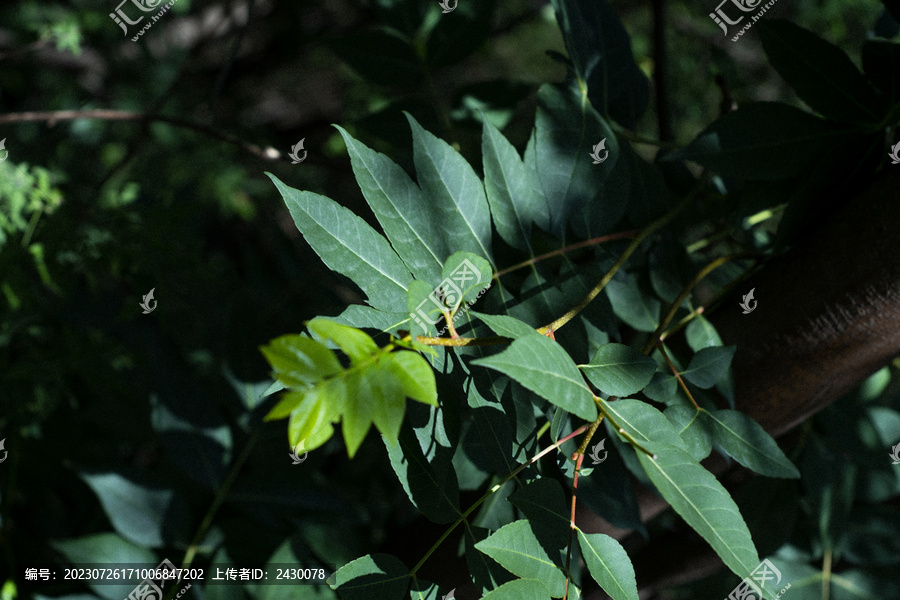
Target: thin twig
column 53, row 117
column 662, row 349
column 590, row 242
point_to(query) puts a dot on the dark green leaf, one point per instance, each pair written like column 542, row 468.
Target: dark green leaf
column 619, row 370
column 700, row 499
column 409, row 222
column 701, row 334
column 601, row 53
column 516, row 548
column 566, row 129
column 638, row 309
column 507, row 326
column 749, row 444
column 763, row 140
column 541, row 365
column 449, row 182
column 348, row 245
column 821, row 73
column 136, row 512
column 609, row 565
column 463, row 278
column 107, row 549
column 881, row 63
column 519, row 589
column 643, row 422
column 380, row 576
column 709, row 365
column 515, row 203
column 692, row 429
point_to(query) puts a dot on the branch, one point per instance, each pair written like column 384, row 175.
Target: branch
column 52, row 117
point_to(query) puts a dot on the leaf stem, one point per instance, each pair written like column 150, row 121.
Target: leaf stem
column 662, row 349
column 584, row 244
column 635, row 244
column 493, row 489
column 601, row 405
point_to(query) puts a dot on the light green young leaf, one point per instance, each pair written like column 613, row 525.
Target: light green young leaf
column 516, row 548
column 519, row 589
column 619, row 370
column 541, row 365
column 409, row 222
column 319, row 407
column 450, row 183
column 374, row 396
column 382, row 576
column 300, row 361
column 609, row 565
column 349, row 246
column 709, row 365
column 747, row 442
column 414, row 374
column 700, row 499
column 463, row 277
column 355, row 343
column 515, row 203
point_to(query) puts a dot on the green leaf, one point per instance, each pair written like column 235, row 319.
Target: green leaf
column 380, row 56
column 409, row 222
column 516, row 548
column 543, row 503
column 375, row 397
column 433, row 491
column 709, row 365
column 643, row 422
column 136, row 512
column 700, row 499
column 506, row 326
column 692, row 429
column 749, row 444
column 515, row 203
column 349, row 246
column 519, row 589
column 662, row 388
column 566, row 129
column 362, row 316
column 107, row 549
column 463, row 278
column 601, row 53
column 355, row 343
column 461, row 33
column 450, row 183
column 638, row 309
column 319, row 407
column 619, row 370
column 415, row 376
column 821, row 73
column 381, row 576
column 541, row 365
column 763, row 140
column 701, row 334
column 609, row 565
column 299, row 360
